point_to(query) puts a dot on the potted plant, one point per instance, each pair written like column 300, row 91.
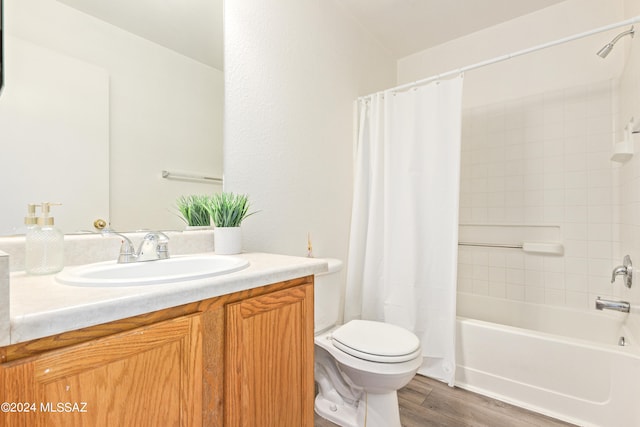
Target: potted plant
column 227, row 211
column 195, row 211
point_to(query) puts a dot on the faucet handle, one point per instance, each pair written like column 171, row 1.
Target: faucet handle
column 127, row 250
column 618, row 271
column 163, row 245
column 626, row 270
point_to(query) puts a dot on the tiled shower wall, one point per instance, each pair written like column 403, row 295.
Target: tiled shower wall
column 628, row 176
column 542, row 160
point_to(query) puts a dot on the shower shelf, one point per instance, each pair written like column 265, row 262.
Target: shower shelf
column 531, row 247
column 543, row 248
column 538, row 239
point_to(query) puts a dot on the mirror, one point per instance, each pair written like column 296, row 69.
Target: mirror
column 1, row 50
column 99, row 99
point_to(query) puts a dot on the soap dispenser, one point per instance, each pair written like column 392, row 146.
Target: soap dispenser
column 30, row 220
column 44, row 252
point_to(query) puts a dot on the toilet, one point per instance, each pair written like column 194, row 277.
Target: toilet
column 359, row 366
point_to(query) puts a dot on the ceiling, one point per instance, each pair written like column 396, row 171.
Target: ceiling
column 403, row 27
column 190, row 27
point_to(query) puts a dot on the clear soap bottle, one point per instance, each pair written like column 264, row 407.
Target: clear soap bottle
column 44, row 251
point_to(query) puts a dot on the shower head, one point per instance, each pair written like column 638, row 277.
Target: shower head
column 606, row 49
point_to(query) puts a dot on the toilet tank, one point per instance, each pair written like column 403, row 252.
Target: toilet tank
column 327, row 292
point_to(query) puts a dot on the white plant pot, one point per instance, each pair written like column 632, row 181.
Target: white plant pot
column 227, row 240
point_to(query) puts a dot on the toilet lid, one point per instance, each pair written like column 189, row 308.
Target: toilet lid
column 376, row 341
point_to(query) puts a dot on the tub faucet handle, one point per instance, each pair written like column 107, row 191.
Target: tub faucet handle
column 625, row 270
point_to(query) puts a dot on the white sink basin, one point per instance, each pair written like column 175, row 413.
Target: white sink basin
column 174, row 269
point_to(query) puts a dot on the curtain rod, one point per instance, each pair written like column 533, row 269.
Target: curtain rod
column 507, row 56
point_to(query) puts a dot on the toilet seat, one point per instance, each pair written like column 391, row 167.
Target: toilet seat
column 376, row 341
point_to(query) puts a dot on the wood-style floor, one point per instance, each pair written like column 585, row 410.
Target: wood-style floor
column 425, row 402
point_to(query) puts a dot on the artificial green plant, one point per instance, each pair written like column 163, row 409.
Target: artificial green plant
column 228, row 209
column 195, row 210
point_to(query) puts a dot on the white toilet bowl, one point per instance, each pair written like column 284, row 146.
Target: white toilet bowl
column 359, row 367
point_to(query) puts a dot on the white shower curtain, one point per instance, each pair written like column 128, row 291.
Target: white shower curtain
column 404, row 231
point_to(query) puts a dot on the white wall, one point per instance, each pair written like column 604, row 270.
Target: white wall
column 165, row 110
column 293, row 71
column 571, row 64
column 537, row 136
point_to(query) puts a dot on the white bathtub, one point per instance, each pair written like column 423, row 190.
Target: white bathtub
column 559, row 362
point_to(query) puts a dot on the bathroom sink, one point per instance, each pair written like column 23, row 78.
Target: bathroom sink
column 173, row 269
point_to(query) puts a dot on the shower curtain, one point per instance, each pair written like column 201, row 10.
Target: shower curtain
column 404, row 230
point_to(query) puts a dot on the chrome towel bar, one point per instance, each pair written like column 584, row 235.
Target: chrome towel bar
column 190, row 177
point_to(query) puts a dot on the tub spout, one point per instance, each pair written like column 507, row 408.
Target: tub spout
column 604, row 304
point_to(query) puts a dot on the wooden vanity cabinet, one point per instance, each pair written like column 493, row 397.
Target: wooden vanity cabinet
column 149, row 376
column 269, row 353
column 243, row 359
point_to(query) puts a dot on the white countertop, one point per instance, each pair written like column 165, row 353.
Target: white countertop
column 40, row 306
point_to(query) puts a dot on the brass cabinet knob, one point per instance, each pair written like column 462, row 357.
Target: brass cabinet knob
column 100, row 224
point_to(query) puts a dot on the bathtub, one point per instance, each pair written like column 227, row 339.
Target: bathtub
column 559, row 362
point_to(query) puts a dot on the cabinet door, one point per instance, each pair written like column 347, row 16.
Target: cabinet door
column 150, row 376
column 269, row 370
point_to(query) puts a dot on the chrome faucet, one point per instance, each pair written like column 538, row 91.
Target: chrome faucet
column 154, row 246
column 604, row 304
column 625, row 270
